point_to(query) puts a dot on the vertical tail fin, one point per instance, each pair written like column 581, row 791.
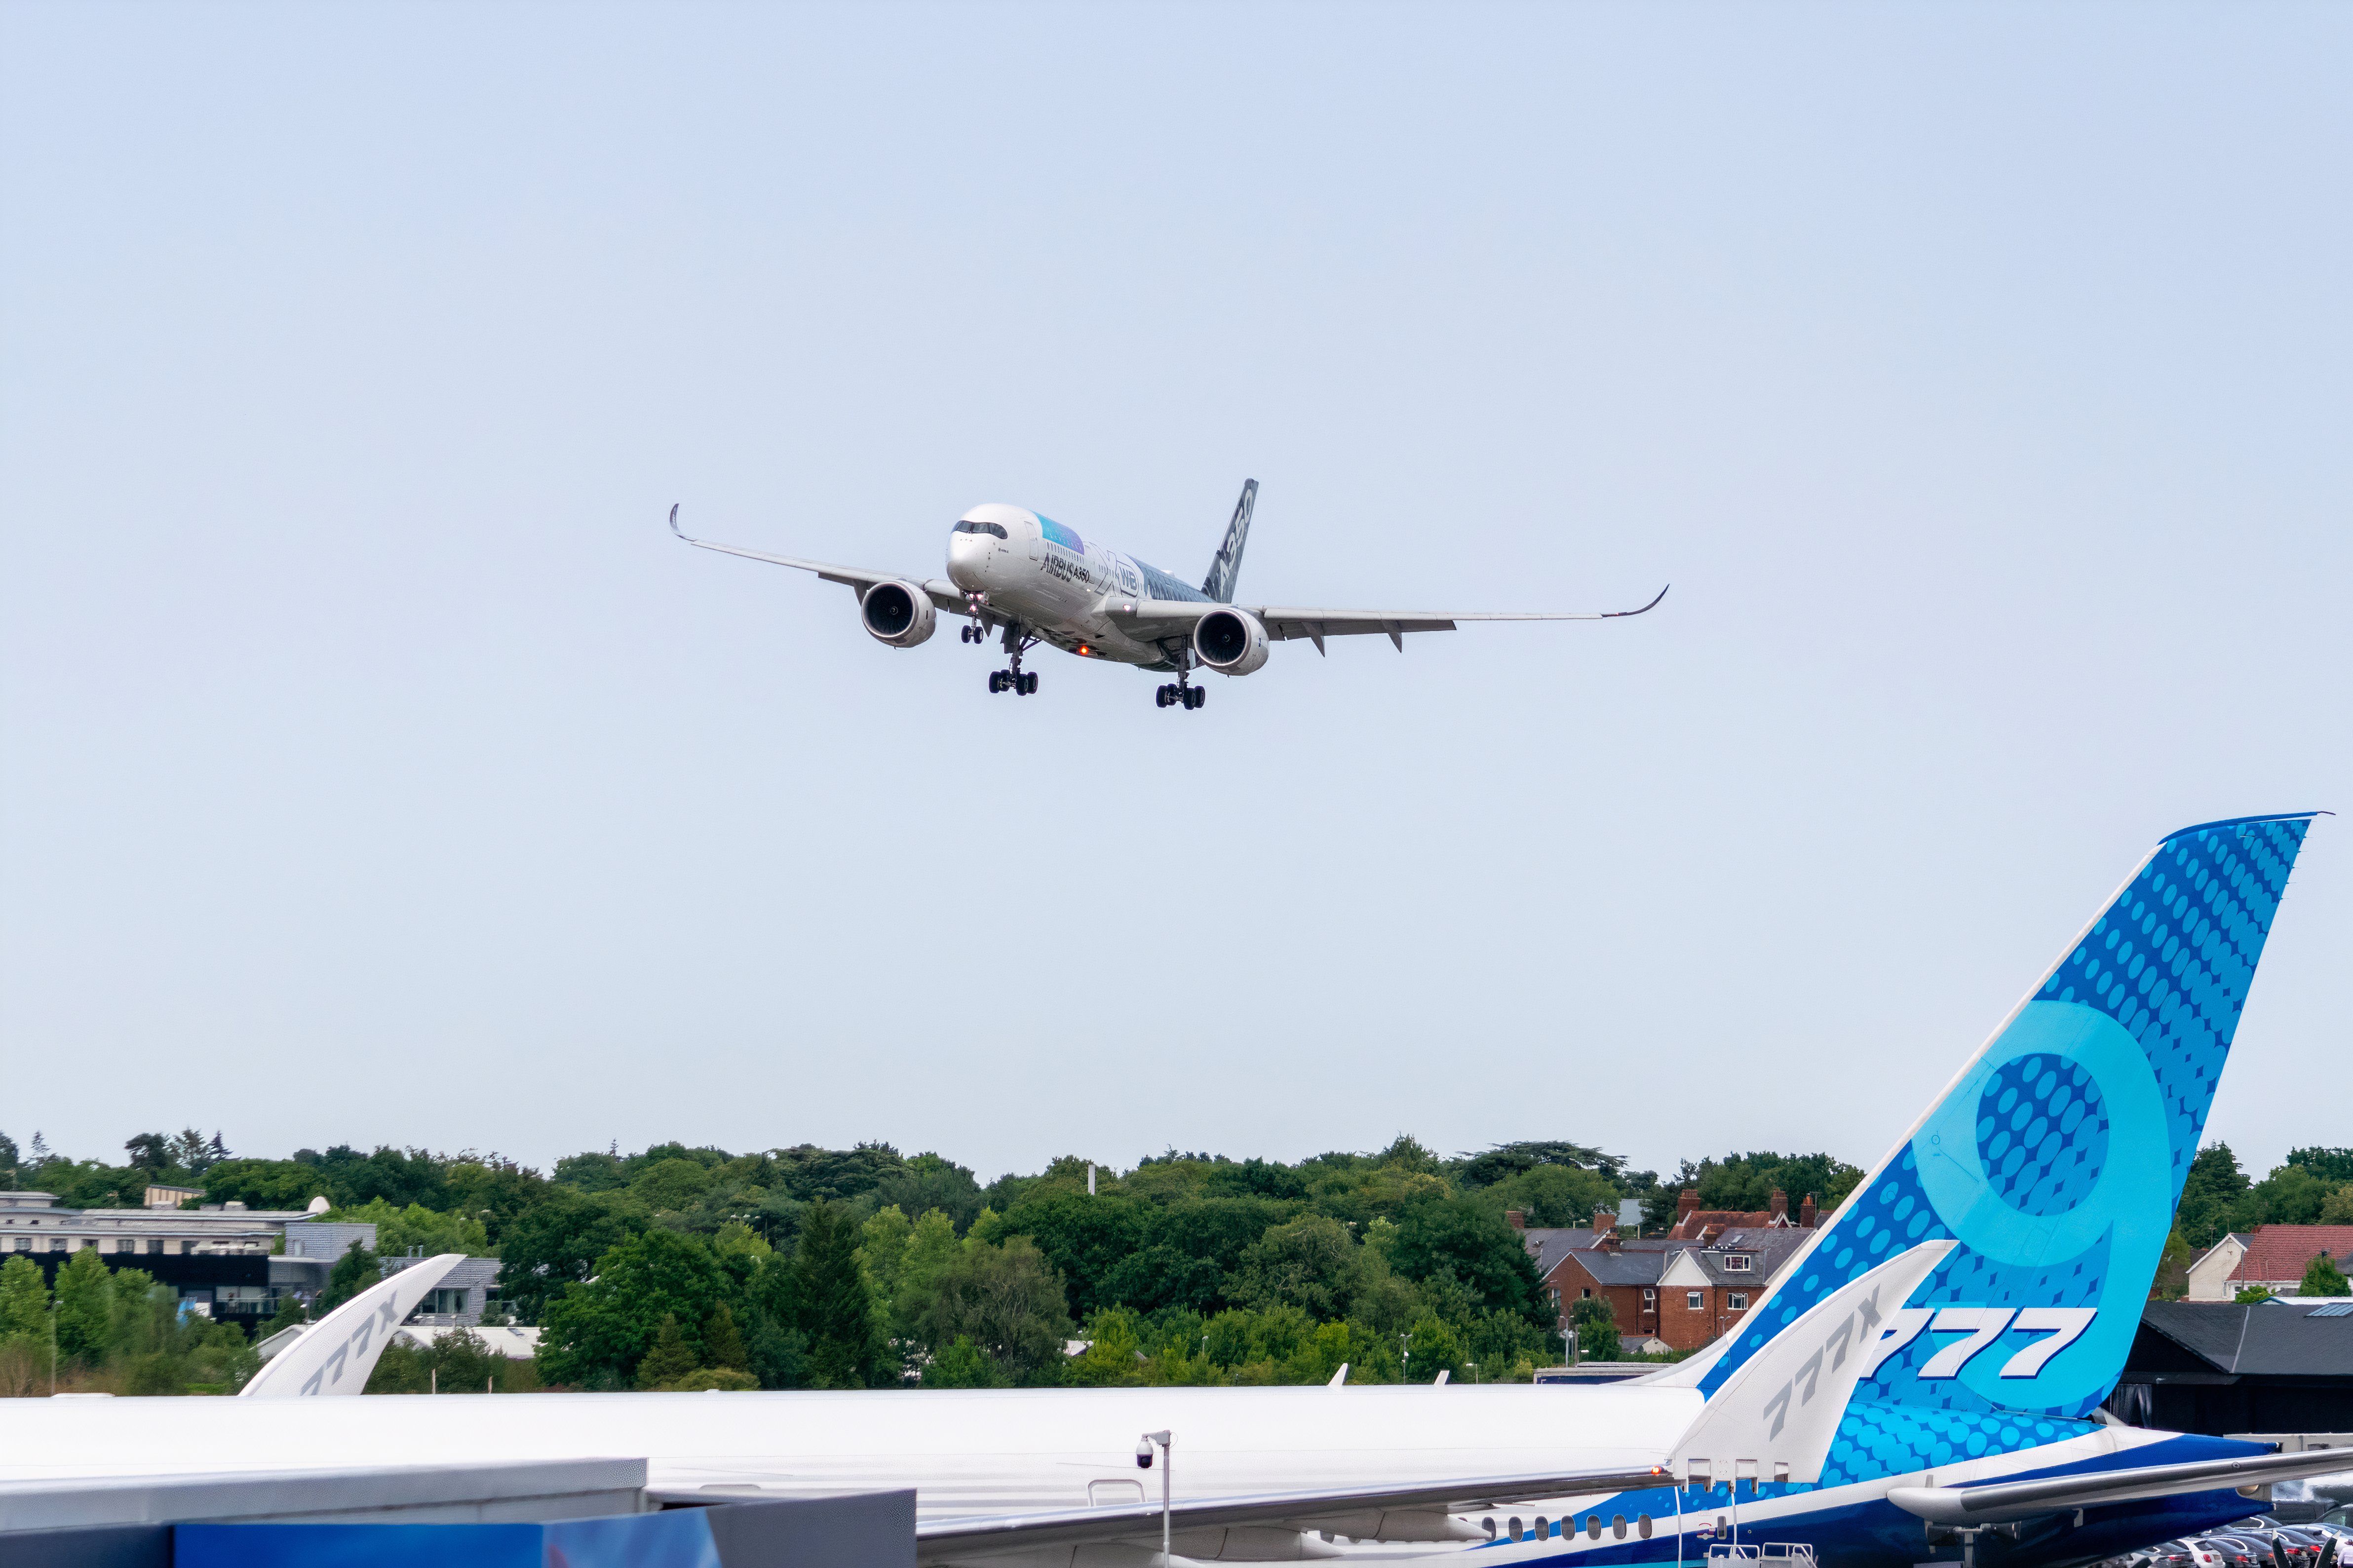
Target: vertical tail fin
column 2053, row 1161
column 1228, row 563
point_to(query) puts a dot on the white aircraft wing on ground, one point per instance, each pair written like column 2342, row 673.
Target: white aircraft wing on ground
column 1356, row 1510
column 942, row 593
column 1150, row 620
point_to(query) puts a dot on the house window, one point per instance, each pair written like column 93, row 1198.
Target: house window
column 1738, row 1263
column 1588, row 1295
column 1650, row 1298
column 155, row 1244
column 1692, row 1300
column 1740, row 1301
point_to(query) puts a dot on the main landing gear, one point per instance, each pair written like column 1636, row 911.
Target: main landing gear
column 1014, row 679
column 1180, row 695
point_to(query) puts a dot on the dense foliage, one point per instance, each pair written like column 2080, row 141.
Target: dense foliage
column 106, row 1331
column 807, row 1268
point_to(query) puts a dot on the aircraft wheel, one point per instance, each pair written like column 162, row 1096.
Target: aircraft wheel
column 995, row 681
column 1030, row 684
column 1160, row 697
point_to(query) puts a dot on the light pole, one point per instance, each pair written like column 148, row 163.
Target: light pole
column 1143, row 1446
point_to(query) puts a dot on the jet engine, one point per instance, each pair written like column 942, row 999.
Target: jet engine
column 899, row 614
column 1231, row 642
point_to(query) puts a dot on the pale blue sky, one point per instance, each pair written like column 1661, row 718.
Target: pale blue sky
column 374, row 767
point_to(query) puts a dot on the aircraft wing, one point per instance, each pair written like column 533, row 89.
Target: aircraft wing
column 942, row 593
column 959, row 1540
column 2000, row 1502
column 1152, row 619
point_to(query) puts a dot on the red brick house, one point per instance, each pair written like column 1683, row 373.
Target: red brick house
column 1681, row 1290
column 2269, row 1258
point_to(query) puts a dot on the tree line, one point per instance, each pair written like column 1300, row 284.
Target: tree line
column 811, row 1268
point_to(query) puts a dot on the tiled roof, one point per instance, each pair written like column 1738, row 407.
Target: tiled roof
column 2261, row 1339
column 1643, row 1262
column 2284, row 1252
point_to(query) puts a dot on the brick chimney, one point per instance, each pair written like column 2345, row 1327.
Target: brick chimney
column 1687, row 1205
column 1516, row 1218
column 1605, row 1227
column 1779, row 1207
column 1806, row 1213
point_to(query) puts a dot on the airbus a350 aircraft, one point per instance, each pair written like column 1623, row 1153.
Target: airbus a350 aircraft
column 1030, row 580
column 1923, row 1381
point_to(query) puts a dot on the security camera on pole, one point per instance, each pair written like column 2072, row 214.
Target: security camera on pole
column 1143, row 1446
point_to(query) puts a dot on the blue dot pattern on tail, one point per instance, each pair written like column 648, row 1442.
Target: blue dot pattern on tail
column 2055, row 1162
column 2042, row 1134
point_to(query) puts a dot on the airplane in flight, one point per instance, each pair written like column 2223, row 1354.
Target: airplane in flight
column 1923, row 1381
column 1027, row 579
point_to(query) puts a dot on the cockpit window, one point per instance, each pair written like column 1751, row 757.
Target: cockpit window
column 995, row 528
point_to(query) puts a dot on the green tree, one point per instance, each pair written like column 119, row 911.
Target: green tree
column 1431, row 1348
column 2337, row 1208
column 555, row 1243
column 265, row 1183
column 931, row 1248
column 722, row 1341
column 2333, row 1166
column 24, row 1299
column 1746, row 1183
column 2214, row 1197
column 1554, row 1194
column 928, row 1182
column 85, row 1306
column 404, row 1229
column 2293, row 1195
column 1008, row 1302
column 669, row 1357
column 2249, row 1294
column 775, row 1349
column 1311, row 1262
column 2323, row 1277
column 594, row 1334
column 2172, row 1281
column 1461, row 1236
column 845, row 1342
column 354, row 1272
column 1596, row 1322
column 963, row 1364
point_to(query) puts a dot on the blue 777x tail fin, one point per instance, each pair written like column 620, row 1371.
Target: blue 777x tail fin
column 2054, row 1161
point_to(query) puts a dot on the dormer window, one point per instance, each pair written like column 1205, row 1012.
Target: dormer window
column 1738, row 1263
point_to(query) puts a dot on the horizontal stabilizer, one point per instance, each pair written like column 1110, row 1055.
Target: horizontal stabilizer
column 2000, row 1502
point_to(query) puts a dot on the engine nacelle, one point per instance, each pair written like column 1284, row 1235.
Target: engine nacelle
column 1229, row 641
column 899, row 614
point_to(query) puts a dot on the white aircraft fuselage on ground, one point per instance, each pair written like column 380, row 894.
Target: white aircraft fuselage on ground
column 1015, row 573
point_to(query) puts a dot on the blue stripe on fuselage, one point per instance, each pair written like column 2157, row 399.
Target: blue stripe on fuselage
column 1871, row 1532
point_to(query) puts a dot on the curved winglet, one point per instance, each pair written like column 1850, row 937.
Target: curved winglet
column 691, row 540
column 1606, row 614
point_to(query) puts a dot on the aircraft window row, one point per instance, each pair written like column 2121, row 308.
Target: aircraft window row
column 995, row 528
column 1547, row 1529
